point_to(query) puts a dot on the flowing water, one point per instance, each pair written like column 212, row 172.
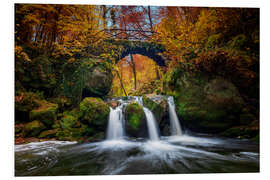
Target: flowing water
column 115, row 128
column 174, row 121
column 119, row 154
column 183, row 154
column 151, row 124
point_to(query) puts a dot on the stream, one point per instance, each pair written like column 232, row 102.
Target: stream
column 119, row 154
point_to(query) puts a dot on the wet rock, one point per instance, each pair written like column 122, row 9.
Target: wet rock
column 98, row 82
column 48, row 134
column 24, row 103
column 159, row 107
column 247, row 132
column 95, row 112
column 33, row 129
column 206, row 104
column 46, row 113
column 97, row 137
column 135, row 125
column 113, row 104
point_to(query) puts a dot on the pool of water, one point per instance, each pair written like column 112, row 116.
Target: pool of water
column 169, row 155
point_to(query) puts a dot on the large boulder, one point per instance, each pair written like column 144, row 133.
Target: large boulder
column 33, row 129
column 24, row 103
column 46, row 113
column 48, row 133
column 71, row 129
column 98, row 82
column 206, row 104
column 249, row 131
column 136, row 125
column 94, row 112
column 159, row 107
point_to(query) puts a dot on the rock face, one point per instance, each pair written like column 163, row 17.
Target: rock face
column 159, row 106
column 95, row 112
column 70, row 128
column 113, row 104
column 135, row 121
column 33, row 128
column 24, row 103
column 248, row 131
column 207, row 104
column 98, row 82
column 48, row 134
column 46, row 113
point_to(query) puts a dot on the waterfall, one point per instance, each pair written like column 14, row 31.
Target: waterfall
column 151, row 124
column 115, row 128
column 151, row 121
column 174, row 121
column 139, row 100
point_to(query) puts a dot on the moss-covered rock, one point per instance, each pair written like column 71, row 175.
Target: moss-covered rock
column 98, row 82
column 158, row 105
column 250, row 131
column 246, row 117
column 97, row 137
column 48, row 133
column 256, row 138
column 71, row 128
column 240, row 132
column 135, row 120
column 62, row 102
column 46, row 113
column 33, row 128
column 95, row 112
column 19, row 128
column 24, row 103
column 204, row 103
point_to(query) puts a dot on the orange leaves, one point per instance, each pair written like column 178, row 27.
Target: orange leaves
column 145, row 73
column 19, row 98
column 21, row 55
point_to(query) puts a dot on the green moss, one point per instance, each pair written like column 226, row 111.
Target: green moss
column 94, row 111
column 26, row 101
column 68, row 121
column 46, row 113
column 71, row 128
column 97, row 137
column 33, row 128
column 240, row 132
column 256, row 138
column 134, row 114
column 63, row 102
column 204, row 103
column 158, row 109
column 48, row 134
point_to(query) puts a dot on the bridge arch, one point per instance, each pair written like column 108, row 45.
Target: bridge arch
column 146, row 48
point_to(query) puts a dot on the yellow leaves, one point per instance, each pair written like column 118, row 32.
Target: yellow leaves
column 71, row 60
column 20, row 54
column 32, row 18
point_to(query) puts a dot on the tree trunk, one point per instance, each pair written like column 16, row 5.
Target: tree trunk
column 157, row 73
column 134, row 71
column 121, row 82
column 150, row 18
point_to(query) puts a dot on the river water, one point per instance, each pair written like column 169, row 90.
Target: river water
column 119, row 154
column 169, row 155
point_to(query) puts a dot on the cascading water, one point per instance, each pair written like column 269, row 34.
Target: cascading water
column 115, row 126
column 174, row 121
column 151, row 121
column 151, row 124
column 119, row 155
